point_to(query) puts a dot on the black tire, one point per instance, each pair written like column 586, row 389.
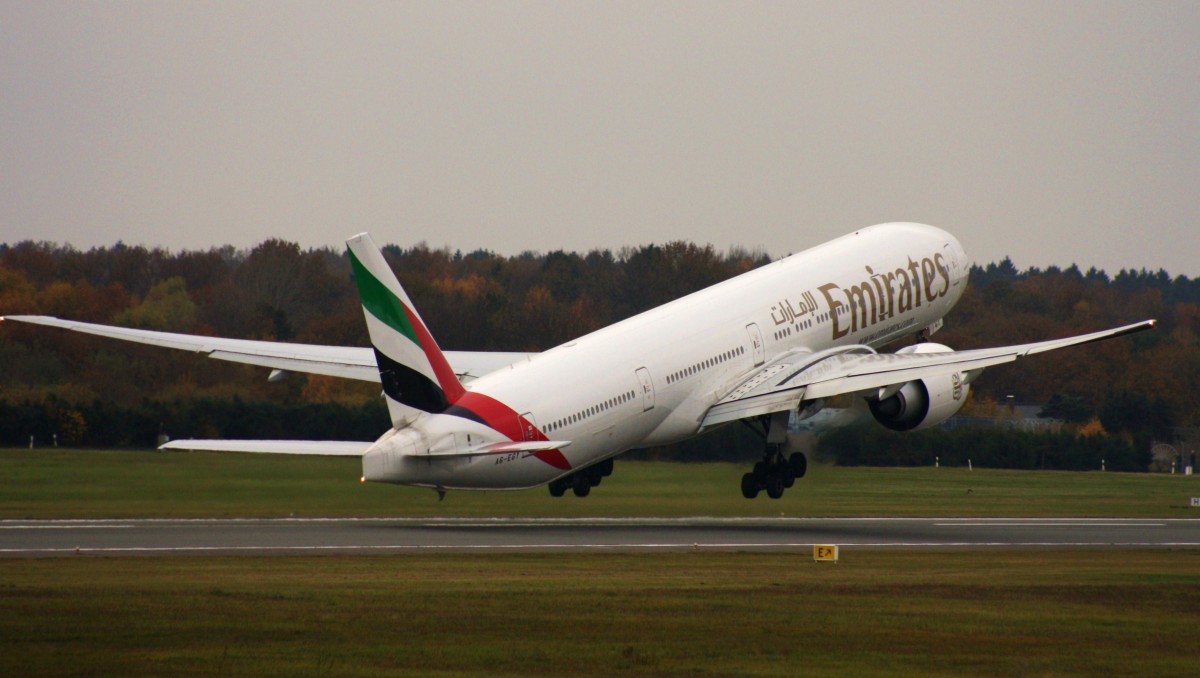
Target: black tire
column 605, row 467
column 557, row 488
column 799, row 464
column 581, row 485
column 789, row 478
column 775, row 486
column 749, row 486
column 761, row 469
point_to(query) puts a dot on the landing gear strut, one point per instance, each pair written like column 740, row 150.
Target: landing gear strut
column 776, row 472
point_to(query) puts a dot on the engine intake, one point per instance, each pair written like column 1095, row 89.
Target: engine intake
column 922, row 403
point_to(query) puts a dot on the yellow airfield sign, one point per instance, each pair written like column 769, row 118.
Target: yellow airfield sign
column 827, row 553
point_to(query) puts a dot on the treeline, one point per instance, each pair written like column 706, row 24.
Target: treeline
column 100, row 423
column 83, row 388
column 1152, row 373
column 483, row 301
column 479, row 300
column 1173, row 290
column 990, row 447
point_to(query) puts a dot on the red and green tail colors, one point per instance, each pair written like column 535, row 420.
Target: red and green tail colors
column 415, row 374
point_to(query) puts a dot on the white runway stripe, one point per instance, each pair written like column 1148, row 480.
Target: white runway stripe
column 593, row 547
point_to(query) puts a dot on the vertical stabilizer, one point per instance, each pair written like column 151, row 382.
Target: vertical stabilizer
column 415, row 374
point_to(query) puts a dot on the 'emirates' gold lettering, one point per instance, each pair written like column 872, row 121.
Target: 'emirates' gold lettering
column 882, row 295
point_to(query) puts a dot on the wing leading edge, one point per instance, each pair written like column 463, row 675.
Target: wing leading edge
column 785, row 383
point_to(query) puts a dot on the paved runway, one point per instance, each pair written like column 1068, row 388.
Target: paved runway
column 424, row 535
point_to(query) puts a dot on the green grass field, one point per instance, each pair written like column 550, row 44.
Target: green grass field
column 984, row 613
column 979, row 613
column 46, row 483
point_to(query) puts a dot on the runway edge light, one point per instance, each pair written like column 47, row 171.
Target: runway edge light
column 825, row 553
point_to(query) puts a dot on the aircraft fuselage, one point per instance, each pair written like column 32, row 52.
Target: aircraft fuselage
column 650, row 379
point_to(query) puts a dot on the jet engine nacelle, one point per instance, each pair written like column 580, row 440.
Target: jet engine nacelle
column 922, row 403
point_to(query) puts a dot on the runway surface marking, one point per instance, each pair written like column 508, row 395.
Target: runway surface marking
column 595, row 547
column 496, row 521
column 442, row 547
column 1049, row 524
column 64, row 527
column 282, row 536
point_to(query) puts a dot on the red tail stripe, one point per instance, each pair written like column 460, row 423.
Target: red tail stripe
column 504, row 419
column 441, row 367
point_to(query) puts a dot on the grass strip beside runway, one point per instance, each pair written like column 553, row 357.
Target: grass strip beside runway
column 44, row 483
column 875, row 613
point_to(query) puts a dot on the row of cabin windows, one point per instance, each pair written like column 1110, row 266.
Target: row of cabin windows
column 788, row 331
column 591, row 411
column 705, row 364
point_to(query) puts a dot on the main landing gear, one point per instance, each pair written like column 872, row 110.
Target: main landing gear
column 776, row 472
column 582, row 481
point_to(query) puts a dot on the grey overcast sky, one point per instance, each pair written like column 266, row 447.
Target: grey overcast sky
column 1054, row 132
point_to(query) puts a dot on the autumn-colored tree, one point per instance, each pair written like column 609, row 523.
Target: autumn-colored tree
column 167, row 306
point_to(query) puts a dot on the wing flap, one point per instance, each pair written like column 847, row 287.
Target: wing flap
column 744, row 408
column 312, row 364
column 767, row 389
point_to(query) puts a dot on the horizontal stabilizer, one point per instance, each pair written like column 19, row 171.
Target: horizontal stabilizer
column 333, row 448
column 504, row 447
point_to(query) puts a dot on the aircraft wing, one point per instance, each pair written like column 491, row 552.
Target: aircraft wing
column 335, row 361
column 783, row 384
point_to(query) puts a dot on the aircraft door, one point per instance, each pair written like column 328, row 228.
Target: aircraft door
column 528, row 427
column 647, row 387
column 756, row 344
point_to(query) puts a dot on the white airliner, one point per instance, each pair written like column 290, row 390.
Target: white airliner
column 780, row 339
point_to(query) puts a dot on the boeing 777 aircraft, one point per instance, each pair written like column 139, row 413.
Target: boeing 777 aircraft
column 780, row 339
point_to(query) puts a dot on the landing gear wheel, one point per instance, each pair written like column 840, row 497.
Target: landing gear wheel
column 799, row 464
column 775, row 485
column 749, row 486
column 776, row 471
column 557, row 488
column 789, row 478
column 581, row 485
